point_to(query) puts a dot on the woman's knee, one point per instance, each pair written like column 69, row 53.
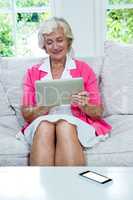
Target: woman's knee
column 45, row 131
column 65, row 125
column 46, row 125
column 65, row 131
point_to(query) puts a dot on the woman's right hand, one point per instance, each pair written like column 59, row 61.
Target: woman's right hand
column 31, row 113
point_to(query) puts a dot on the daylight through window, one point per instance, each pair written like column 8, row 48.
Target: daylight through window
column 19, row 21
column 120, row 20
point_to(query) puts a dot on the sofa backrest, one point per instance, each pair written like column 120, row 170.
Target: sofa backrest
column 115, row 71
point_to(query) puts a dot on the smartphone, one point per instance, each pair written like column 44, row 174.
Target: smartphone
column 95, row 177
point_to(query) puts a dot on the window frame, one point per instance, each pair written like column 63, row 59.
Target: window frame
column 120, row 6
column 13, row 10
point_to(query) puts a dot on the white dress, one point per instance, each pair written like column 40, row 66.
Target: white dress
column 86, row 133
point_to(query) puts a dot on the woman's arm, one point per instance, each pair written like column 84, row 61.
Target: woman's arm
column 31, row 113
column 92, row 110
column 29, row 109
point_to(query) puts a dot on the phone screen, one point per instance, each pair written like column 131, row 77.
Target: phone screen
column 95, row 176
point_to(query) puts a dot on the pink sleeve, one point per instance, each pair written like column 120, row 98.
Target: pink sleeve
column 28, row 98
column 93, row 89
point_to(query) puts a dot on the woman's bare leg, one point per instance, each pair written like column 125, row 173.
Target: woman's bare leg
column 68, row 149
column 43, row 147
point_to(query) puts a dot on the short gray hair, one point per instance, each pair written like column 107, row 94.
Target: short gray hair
column 50, row 25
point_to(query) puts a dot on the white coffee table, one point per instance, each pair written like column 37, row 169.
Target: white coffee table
column 64, row 183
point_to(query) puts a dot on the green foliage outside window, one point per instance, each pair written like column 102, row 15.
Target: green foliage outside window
column 26, row 24
column 6, row 40
column 120, row 25
column 120, row 22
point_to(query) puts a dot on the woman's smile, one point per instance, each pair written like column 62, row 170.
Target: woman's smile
column 57, row 51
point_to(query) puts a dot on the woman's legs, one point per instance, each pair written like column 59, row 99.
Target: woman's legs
column 43, row 147
column 68, row 149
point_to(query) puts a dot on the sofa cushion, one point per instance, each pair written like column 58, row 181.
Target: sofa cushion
column 10, row 123
column 117, row 79
column 117, row 150
column 11, row 149
column 13, row 152
column 5, row 108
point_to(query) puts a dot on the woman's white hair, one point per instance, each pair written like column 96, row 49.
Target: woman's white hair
column 50, row 25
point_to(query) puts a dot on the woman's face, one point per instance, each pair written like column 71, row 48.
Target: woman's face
column 56, row 44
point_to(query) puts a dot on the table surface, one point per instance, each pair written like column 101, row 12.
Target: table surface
column 64, row 183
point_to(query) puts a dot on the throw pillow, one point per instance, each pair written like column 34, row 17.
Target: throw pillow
column 117, row 79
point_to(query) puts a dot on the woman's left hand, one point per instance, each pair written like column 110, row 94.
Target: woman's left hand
column 81, row 99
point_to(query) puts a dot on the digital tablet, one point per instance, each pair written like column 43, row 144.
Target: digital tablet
column 57, row 92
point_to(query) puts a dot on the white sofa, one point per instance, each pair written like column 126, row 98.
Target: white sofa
column 115, row 74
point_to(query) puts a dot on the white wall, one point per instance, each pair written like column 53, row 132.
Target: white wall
column 87, row 18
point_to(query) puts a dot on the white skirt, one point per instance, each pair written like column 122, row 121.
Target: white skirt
column 86, row 133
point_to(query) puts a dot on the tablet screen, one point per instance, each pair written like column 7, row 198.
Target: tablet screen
column 57, row 92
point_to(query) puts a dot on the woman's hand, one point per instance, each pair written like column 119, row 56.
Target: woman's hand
column 81, row 99
column 31, row 113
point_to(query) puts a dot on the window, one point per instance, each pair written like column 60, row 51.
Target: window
column 19, row 21
column 120, row 20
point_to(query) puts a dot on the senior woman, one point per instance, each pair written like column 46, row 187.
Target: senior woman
column 57, row 135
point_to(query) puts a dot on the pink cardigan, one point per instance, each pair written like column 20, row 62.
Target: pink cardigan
column 90, row 85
